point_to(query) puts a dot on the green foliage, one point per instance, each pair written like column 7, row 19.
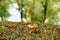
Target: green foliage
column 39, row 10
column 4, row 5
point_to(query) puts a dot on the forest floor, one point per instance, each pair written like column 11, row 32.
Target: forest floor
column 28, row 31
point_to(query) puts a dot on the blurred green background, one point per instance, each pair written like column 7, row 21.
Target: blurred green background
column 38, row 11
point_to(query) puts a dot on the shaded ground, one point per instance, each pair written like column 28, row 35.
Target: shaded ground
column 20, row 31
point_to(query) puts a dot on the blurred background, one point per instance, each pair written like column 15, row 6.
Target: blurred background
column 38, row 11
